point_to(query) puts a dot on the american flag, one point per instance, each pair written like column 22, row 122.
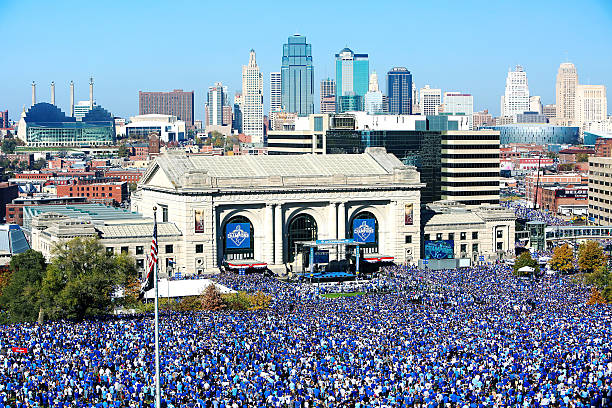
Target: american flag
column 148, row 283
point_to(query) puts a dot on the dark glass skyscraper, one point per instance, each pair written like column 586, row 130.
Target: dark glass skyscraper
column 399, row 91
column 297, row 77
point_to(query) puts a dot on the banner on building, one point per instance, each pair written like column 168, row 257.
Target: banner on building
column 199, row 220
column 321, row 256
column 238, row 235
column 408, row 214
column 441, row 249
column 364, row 230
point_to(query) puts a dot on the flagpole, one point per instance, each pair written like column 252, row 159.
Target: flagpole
column 157, row 384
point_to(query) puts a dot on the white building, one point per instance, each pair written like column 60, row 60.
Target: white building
column 373, row 100
column 535, row 104
column 416, row 108
column 516, row 96
column 169, row 128
column 457, row 103
column 254, row 209
column 217, row 98
column 252, row 101
column 81, row 109
column 567, row 80
column 591, row 104
column 430, row 101
column 275, row 92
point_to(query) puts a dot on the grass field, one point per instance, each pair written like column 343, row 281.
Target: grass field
column 337, row 295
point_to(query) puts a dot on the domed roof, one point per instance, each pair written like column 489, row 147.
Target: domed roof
column 45, row 112
column 97, row 114
column 346, row 49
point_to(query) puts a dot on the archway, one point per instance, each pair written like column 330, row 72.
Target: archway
column 302, row 227
column 361, row 217
column 238, row 239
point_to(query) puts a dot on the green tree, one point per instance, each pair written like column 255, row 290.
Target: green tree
column 562, row 259
column 82, row 278
column 21, row 298
column 39, row 164
column 590, row 256
column 8, row 145
column 122, row 151
column 525, row 259
column 582, row 157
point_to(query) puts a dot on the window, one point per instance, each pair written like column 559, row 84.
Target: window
column 463, row 248
column 164, row 212
column 500, row 246
column 474, row 234
column 500, row 234
column 139, row 250
column 451, row 236
column 169, row 249
column 140, row 263
column 439, row 236
column 426, row 237
column 110, row 250
column 474, row 247
column 124, row 250
column 318, row 123
column 199, row 248
column 408, row 239
column 463, row 236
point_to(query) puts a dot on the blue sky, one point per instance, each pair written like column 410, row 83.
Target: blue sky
column 148, row 45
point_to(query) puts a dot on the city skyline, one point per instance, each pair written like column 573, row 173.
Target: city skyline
column 117, row 83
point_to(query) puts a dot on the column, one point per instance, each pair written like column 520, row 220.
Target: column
column 332, row 231
column 278, row 234
column 341, row 227
column 268, row 235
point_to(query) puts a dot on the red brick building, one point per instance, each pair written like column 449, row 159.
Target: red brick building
column 129, row 176
column 603, row 147
column 550, row 180
column 570, row 155
column 554, row 197
column 96, row 192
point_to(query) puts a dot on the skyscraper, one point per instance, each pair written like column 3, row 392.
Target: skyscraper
column 567, row 80
column 457, row 103
column 352, row 78
column 216, row 100
column 399, row 90
column 516, row 96
column 275, row 92
column 252, row 101
column 176, row 103
column 590, row 104
column 297, row 76
column 373, row 98
column 535, row 104
column 237, row 116
column 328, row 96
column 431, row 99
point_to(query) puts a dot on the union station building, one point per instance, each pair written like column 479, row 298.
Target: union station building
column 256, row 210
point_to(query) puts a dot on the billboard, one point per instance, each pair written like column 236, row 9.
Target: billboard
column 408, row 214
column 199, row 221
column 577, row 193
column 238, row 235
column 442, row 249
column 364, row 230
column 321, row 256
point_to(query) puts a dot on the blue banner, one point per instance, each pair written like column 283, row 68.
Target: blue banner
column 238, row 235
column 364, row 230
column 321, row 256
column 443, row 249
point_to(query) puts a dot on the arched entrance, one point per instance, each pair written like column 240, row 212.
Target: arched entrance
column 358, row 221
column 240, row 242
column 302, row 227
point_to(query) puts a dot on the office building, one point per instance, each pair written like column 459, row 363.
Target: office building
column 416, row 108
column 4, row 119
column 456, row 103
column 590, row 103
column 482, row 118
column 237, row 114
column 600, row 190
column 176, row 103
column 565, row 88
column 328, row 96
column 275, row 92
column 45, row 125
column 217, row 99
column 539, row 134
column 516, row 96
column 400, row 91
column 530, row 117
column 167, row 127
column 252, row 101
column 373, row 99
column 352, row 80
column 430, row 100
column 535, row 104
column 297, row 76
column 550, row 111
column 81, row 109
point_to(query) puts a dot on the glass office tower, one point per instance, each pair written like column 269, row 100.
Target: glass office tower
column 297, row 77
column 352, row 79
column 399, row 91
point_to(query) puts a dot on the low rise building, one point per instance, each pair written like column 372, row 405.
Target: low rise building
column 600, row 190
column 114, row 193
column 168, row 127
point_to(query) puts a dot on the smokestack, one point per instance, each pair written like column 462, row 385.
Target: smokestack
column 90, row 93
column 72, row 99
column 52, row 92
column 33, row 93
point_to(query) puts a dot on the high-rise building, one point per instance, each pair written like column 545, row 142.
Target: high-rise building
column 373, row 98
column 550, row 111
column 275, row 92
column 81, row 109
column 352, row 79
column 252, row 101
column 176, row 103
column 482, row 118
column 328, row 96
column 535, row 104
column 399, row 91
column 416, row 108
column 590, row 104
column 516, row 96
column 217, row 99
column 237, row 117
column 4, row 120
column 431, row 99
column 456, row 103
column 567, row 80
column 297, row 76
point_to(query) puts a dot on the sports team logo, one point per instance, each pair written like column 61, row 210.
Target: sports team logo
column 238, row 236
column 364, row 232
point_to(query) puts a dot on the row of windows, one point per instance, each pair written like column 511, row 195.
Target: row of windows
column 470, row 156
column 470, row 146
column 469, row 174
column 451, row 236
column 599, row 191
column 472, row 165
column 471, row 193
column 469, row 183
column 598, row 208
column 169, row 249
column 603, row 183
column 470, row 137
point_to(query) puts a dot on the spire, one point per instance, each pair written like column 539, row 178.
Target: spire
column 252, row 60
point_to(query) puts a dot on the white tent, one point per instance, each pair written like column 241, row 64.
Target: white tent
column 185, row 287
column 527, row 269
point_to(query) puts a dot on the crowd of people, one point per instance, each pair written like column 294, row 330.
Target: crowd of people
column 470, row 337
column 529, row 213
